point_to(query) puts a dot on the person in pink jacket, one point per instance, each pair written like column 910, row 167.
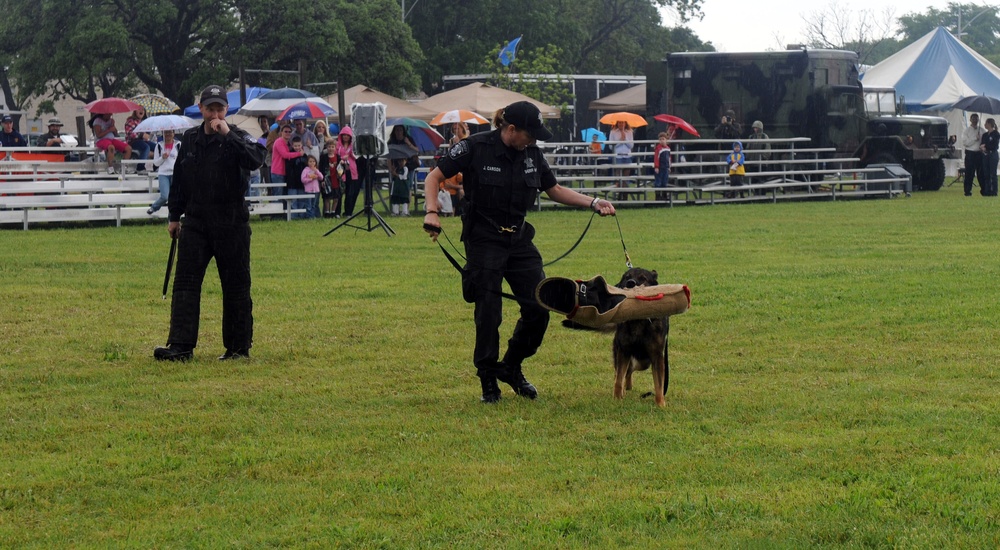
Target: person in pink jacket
column 281, row 152
column 345, row 154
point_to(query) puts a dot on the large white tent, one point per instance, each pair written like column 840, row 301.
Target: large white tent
column 935, row 69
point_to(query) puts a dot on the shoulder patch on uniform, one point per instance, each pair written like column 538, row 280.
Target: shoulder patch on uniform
column 249, row 139
column 459, row 149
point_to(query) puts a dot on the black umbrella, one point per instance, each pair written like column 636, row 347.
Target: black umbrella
column 978, row 104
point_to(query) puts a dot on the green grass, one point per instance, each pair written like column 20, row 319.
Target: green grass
column 834, row 384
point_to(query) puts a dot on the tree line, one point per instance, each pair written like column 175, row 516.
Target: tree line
column 87, row 49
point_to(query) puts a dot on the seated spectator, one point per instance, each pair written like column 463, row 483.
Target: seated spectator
column 106, row 136
column 140, row 143
column 10, row 137
column 53, row 137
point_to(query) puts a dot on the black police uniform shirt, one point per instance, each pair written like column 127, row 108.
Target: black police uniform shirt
column 212, row 172
column 500, row 182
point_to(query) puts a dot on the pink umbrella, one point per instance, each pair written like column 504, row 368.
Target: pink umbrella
column 112, row 105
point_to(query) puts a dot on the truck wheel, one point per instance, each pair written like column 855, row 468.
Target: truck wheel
column 928, row 175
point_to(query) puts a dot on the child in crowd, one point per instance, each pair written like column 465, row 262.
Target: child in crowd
column 399, row 194
column 737, row 170
column 661, row 165
column 311, row 177
column 293, row 179
column 331, row 191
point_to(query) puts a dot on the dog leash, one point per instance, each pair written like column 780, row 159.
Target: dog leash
column 628, row 261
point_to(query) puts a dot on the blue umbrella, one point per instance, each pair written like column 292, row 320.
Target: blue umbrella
column 426, row 139
column 588, row 135
column 233, row 98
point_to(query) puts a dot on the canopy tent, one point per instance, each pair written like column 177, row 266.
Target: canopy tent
column 394, row 107
column 630, row 99
column 483, row 99
column 935, row 69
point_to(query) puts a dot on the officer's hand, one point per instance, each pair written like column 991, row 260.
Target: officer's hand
column 604, row 207
column 432, row 225
column 174, row 228
column 220, row 126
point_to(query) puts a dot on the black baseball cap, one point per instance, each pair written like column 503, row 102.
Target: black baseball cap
column 526, row 116
column 7, row 118
column 214, row 94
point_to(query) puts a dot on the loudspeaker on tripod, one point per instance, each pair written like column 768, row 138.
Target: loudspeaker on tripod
column 368, row 122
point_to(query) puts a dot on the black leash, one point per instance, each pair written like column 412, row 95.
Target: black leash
column 461, row 270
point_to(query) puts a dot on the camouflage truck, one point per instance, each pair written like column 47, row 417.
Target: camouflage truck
column 799, row 93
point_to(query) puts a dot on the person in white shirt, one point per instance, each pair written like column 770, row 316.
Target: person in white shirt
column 971, row 138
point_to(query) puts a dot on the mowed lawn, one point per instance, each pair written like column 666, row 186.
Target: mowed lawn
column 834, row 384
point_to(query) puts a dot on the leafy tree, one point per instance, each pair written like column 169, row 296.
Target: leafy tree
column 91, row 48
column 592, row 36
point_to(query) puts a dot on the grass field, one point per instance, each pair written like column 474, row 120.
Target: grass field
column 834, row 384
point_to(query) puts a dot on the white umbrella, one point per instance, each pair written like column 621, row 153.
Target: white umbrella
column 160, row 123
column 274, row 102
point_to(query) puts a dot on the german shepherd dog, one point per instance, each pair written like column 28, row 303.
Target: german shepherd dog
column 639, row 344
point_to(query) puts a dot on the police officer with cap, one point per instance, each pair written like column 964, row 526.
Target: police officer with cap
column 211, row 178
column 503, row 172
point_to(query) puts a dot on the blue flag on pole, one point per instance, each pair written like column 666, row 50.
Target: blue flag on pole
column 509, row 51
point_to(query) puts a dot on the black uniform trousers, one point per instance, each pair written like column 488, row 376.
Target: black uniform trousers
column 973, row 167
column 492, row 257
column 226, row 237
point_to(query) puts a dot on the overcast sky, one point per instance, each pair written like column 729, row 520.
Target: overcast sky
column 758, row 25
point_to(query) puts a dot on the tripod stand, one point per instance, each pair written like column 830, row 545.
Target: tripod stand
column 369, row 208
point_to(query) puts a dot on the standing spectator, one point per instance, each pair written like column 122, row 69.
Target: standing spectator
column 10, row 137
column 399, row 191
column 498, row 239
column 164, row 157
column 139, row 142
column 728, row 127
column 273, row 133
column 309, row 142
column 399, row 136
column 293, row 180
column 661, row 166
column 265, row 140
column 332, row 191
column 990, row 144
column 106, row 139
column 208, row 191
column 758, row 149
column 281, row 151
column 622, row 133
column 971, row 138
column 322, row 133
column 311, row 178
column 346, row 158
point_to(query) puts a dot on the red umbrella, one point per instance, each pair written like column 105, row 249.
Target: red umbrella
column 112, row 105
column 679, row 122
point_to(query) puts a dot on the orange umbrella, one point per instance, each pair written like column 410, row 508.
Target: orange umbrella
column 631, row 119
column 458, row 115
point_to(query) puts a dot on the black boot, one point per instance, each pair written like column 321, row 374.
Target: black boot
column 491, row 391
column 513, row 377
column 173, row 352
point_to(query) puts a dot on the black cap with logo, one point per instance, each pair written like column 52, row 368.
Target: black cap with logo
column 526, row 116
column 214, row 94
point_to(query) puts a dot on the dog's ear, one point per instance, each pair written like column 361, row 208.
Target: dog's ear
column 624, row 279
column 656, row 277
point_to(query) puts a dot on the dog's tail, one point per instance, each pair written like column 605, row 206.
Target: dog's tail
column 610, row 327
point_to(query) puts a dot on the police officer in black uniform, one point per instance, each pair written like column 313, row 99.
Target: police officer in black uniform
column 503, row 172
column 211, row 178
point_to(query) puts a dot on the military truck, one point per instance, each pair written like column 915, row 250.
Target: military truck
column 800, row 93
